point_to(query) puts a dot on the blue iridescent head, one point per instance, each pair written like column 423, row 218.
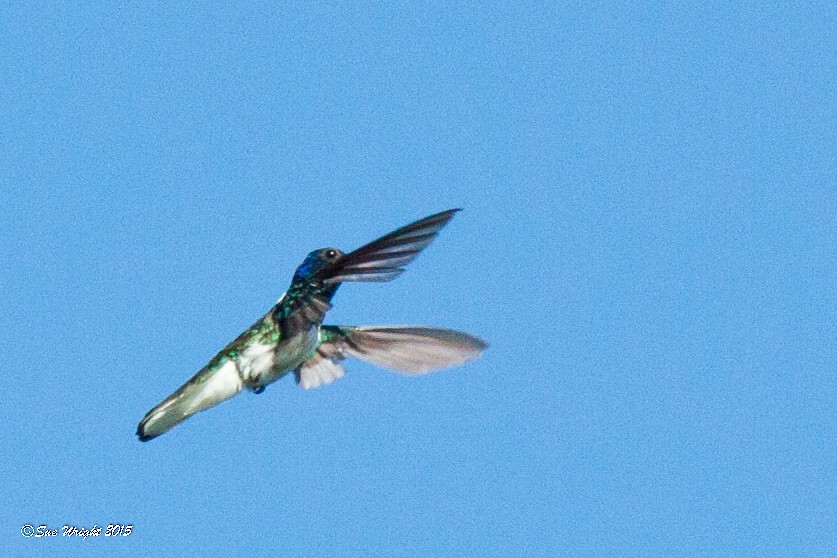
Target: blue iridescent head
column 316, row 261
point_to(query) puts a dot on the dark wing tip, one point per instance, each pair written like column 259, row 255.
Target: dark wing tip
column 450, row 212
column 442, row 216
column 479, row 343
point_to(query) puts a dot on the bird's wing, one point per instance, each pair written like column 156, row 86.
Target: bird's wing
column 206, row 389
column 307, row 302
column 406, row 349
column 319, row 370
column 382, row 259
column 301, row 307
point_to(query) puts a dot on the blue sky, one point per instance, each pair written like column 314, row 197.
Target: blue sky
column 647, row 243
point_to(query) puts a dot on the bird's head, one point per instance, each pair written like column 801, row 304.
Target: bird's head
column 316, row 261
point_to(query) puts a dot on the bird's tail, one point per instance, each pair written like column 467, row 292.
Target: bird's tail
column 207, row 388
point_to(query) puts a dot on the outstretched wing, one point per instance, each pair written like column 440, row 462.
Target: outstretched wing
column 382, row 259
column 309, row 298
column 206, row 389
column 406, row 349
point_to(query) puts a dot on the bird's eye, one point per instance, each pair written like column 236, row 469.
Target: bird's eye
column 331, row 254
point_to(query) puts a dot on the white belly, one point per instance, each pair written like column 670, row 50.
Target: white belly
column 261, row 365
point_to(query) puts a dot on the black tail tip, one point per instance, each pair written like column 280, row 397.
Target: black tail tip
column 143, row 437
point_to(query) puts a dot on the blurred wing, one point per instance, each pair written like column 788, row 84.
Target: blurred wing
column 405, row 349
column 206, row 389
column 412, row 349
column 319, row 370
column 382, row 259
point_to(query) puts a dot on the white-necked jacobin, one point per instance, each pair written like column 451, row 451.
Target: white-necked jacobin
column 292, row 337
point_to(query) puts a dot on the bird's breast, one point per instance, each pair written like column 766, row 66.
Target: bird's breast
column 264, row 363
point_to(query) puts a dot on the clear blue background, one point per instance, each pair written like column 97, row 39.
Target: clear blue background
column 648, row 244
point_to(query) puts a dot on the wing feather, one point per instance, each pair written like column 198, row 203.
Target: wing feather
column 383, row 259
column 405, row 349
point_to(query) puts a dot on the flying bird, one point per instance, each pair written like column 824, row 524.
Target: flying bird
column 291, row 336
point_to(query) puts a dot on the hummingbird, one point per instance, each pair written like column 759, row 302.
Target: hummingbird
column 291, row 336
